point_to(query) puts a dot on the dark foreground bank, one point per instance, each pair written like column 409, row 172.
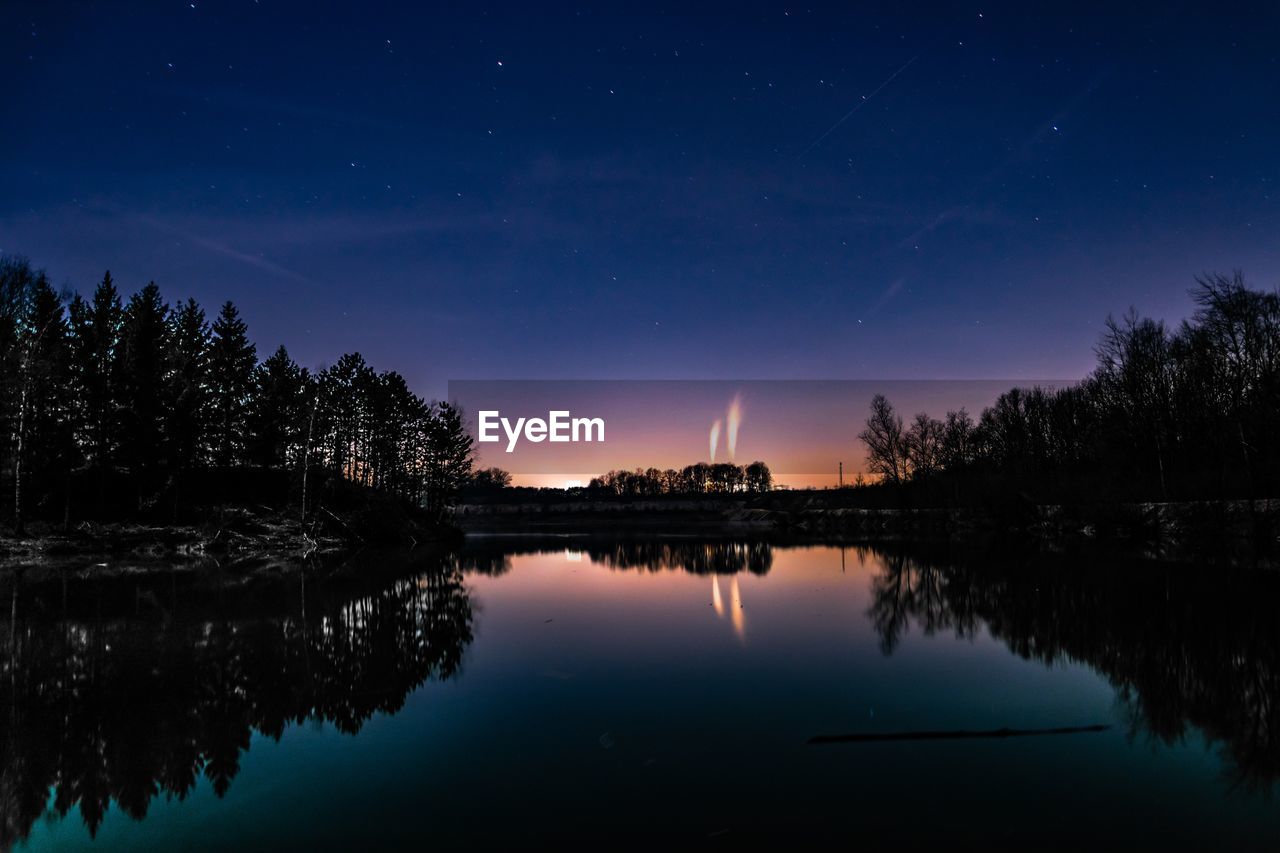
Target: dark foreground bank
column 271, row 528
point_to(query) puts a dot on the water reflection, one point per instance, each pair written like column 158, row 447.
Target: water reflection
column 1184, row 647
column 129, row 690
column 736, row 615
column 133, row 689
column 493, row 556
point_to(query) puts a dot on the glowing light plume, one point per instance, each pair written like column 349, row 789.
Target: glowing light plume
column 716, row 601
column 735, row 421
column 715, row 439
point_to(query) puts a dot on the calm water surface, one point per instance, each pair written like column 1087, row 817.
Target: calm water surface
column 621, row 690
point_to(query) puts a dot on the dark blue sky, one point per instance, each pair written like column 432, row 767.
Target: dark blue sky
column 468, row 190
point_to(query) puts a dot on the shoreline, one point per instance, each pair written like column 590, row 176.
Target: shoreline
column 1244, row 532
column 252, row 539
column 1241, row 528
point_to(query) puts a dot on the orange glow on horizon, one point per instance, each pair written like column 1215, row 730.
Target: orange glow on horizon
column 802, row 430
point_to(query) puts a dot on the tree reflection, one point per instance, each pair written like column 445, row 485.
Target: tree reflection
column 1183, row 647
column 128, row 690
column 720, row 557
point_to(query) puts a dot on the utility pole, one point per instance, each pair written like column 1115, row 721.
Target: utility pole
column 841, row 475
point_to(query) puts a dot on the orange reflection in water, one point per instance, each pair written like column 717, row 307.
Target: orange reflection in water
column 601, row 603
column 736, row 615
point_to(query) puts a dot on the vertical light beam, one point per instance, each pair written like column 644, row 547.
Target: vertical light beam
column 735, row 421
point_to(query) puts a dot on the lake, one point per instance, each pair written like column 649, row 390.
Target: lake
column 591, row 690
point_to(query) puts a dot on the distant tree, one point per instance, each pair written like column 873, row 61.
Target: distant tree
column 232, row 359
column 758, row 478
column 695, row 478
column 723, row 477
column 491, row 478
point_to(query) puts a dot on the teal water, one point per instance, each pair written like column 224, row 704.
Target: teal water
column 613, row 692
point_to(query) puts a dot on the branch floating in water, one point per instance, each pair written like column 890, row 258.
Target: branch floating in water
column 958, row 734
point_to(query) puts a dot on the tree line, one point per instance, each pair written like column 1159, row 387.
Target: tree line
column 700, row 478
column 1183, row 414
column 99, row 391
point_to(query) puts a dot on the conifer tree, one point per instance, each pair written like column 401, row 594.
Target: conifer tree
column 187, row 395
column 95, row 328
column 15, row 277
column 277, row 412
column 232, row 359
column 51, row 439
column 449, row 457
column 143, row 353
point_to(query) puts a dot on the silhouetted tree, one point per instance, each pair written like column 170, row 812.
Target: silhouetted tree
column 1187, row 414
column 491, row 478
column 758, row 478
column 923, row 445
column 277, row 413
column 957, row 448
column 33, row 357
column 95, row 331
column 724, row 477
column 187, row 393
column 348, row 385
column 15, row 282
column 161, row 392
column 141, row 379
column 886, row 443
column 231, row 365
column 449, row 454
column 49, row 444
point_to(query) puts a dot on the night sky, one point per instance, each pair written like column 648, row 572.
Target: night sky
column 755, row 190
